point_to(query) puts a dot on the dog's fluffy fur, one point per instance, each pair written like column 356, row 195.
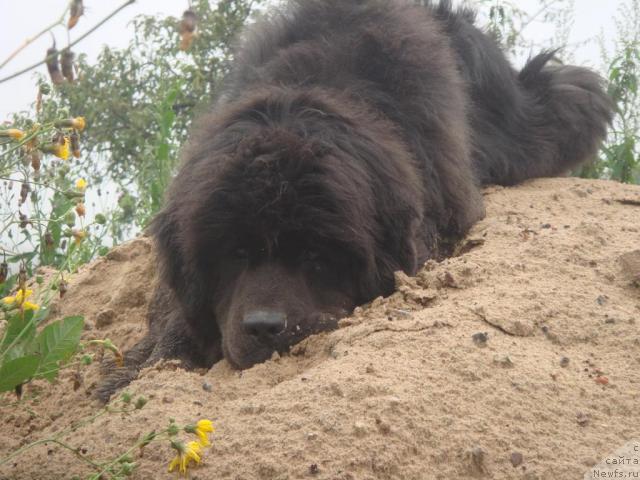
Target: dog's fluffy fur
column 350, row 142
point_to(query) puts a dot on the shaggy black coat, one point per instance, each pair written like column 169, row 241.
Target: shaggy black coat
column 349, row 142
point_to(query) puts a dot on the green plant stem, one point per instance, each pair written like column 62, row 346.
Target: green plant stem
column 31, row 182
column 28, row 41
column 80, row 38
column 76, row 453
column 105, row 468
column 57, row 436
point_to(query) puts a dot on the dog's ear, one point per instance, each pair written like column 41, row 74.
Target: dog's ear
column 181, row 273
column 165, row 231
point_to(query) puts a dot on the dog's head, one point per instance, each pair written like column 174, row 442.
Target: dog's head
column 284, row 217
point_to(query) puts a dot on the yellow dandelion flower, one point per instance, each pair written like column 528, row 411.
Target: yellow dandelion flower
column 78, row 123
column 63, row 149
column 60, row 150
column 14, row 133
column 203, row 427
column 81, row 184
column 20, row 300
column 186, row 453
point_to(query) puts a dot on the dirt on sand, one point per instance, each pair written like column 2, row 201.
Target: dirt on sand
column 517, row 359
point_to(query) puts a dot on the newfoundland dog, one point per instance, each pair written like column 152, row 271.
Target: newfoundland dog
column 350, row 141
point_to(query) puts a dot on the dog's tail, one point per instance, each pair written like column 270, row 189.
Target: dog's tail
column 563, row 120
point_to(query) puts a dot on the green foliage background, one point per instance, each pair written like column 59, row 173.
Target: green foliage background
column 140, row 102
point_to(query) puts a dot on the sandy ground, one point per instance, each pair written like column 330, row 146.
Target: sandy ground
column 518, row 359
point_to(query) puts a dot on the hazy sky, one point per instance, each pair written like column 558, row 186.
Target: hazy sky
column 20, row 19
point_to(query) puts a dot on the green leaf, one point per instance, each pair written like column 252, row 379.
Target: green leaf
column 17, row 323
column 17, row 371
column 56, row 343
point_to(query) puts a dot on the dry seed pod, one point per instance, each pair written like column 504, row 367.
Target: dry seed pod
column 4, row 272
column 75, row 12
column 22, row 278
column 187, row 29
column 80, row 209
column 189, row 22
column 24, row 220
column 36, row 160
column 48, row 240
column 62, row 287
column 53, row 66
column 67, row 64
column 75, row 144
column 24, row 192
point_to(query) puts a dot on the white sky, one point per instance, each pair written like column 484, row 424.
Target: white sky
column 21, row 18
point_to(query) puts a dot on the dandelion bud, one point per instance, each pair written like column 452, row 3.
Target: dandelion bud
column 127, row 468
column 75, row 12
column 140, row 402
column 4, row 272
column 24, row 192
column 67, row 64
column 79, row 236
column 80, row 209
column 48, row 240
column 71, row 194
column 107, row 344
column 173, row 429
column 86, row 360
column 70, row 219
column 44, row 89
column 100, row 219
column 13, row 133
column 77, row 123
column 53, row 66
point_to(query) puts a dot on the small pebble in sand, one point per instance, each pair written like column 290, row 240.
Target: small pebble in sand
column 312, row 436
column 516, row 459
column 582, row 419
column 503, row 360
column 360, row 429
column 313, row 469
column 480, row 339
column 601, row 380
column 564, row 362
column 206, row 386
column 105, row 318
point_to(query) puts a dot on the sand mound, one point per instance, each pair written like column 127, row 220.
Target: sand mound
column 523, row 350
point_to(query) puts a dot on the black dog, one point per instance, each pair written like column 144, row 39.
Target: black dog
column 350, row 142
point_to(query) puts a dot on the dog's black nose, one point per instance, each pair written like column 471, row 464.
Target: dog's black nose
column 264, row 323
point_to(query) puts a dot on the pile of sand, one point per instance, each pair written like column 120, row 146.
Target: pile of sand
column 520, row 358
